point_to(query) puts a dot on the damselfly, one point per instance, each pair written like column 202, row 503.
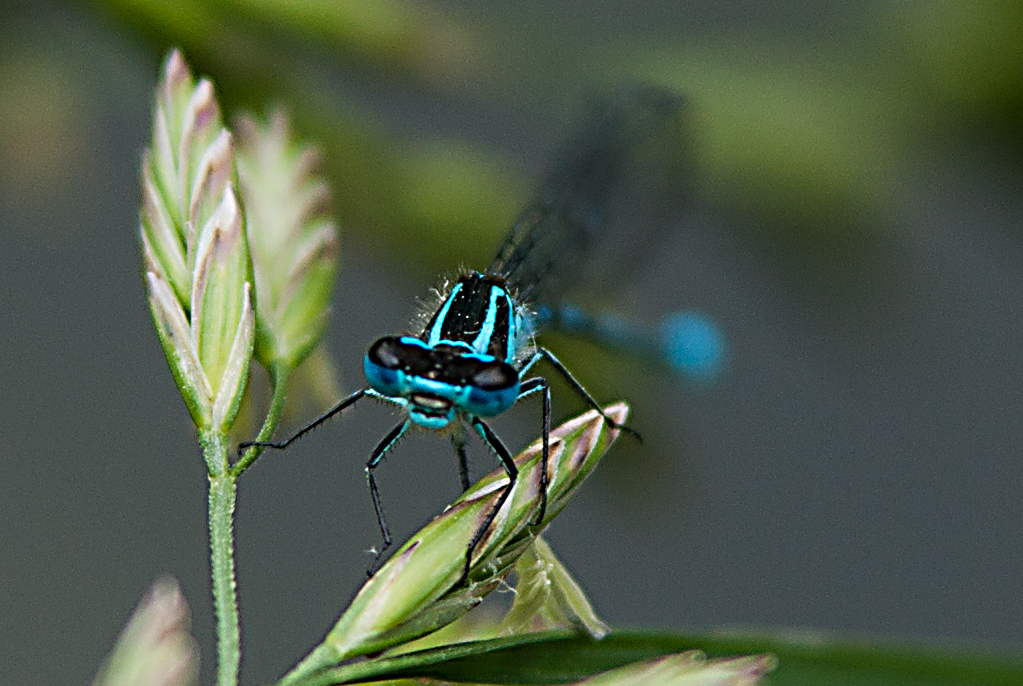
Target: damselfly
column 473, row 357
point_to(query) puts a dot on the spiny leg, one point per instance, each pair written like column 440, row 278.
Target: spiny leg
column 491, row 439
column 374, row 461
column 281, row 445
column 538, row 383
column 579, row 389
column 458, row 441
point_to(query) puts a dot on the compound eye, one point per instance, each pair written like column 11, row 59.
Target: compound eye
column 495, row 376
column 386, row 353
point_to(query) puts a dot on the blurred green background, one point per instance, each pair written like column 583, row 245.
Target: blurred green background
column 856, row 234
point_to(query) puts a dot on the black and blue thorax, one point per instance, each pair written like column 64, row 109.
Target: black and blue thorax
column 466, row 359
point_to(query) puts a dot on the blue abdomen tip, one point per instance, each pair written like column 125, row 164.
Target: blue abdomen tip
column 694, row 345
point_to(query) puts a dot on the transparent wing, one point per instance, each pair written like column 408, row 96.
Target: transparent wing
column 569, row 220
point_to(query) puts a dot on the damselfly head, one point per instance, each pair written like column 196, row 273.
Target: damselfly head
column 435, row 382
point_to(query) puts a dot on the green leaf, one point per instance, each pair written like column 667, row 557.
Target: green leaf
column 691, row 668
column 804, row 658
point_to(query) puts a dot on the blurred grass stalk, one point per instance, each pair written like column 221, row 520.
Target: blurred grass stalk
column 810, row 143
column 815, row 141
column 400, row 39
column 812, row 156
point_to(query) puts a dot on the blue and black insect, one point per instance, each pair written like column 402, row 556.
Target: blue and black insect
column 475, row 357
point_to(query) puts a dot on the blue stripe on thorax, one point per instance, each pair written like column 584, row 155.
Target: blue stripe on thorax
column 482, row 342
column 438, row 321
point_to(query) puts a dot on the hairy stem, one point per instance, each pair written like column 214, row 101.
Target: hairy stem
column 278, row 380
column 223, row 491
